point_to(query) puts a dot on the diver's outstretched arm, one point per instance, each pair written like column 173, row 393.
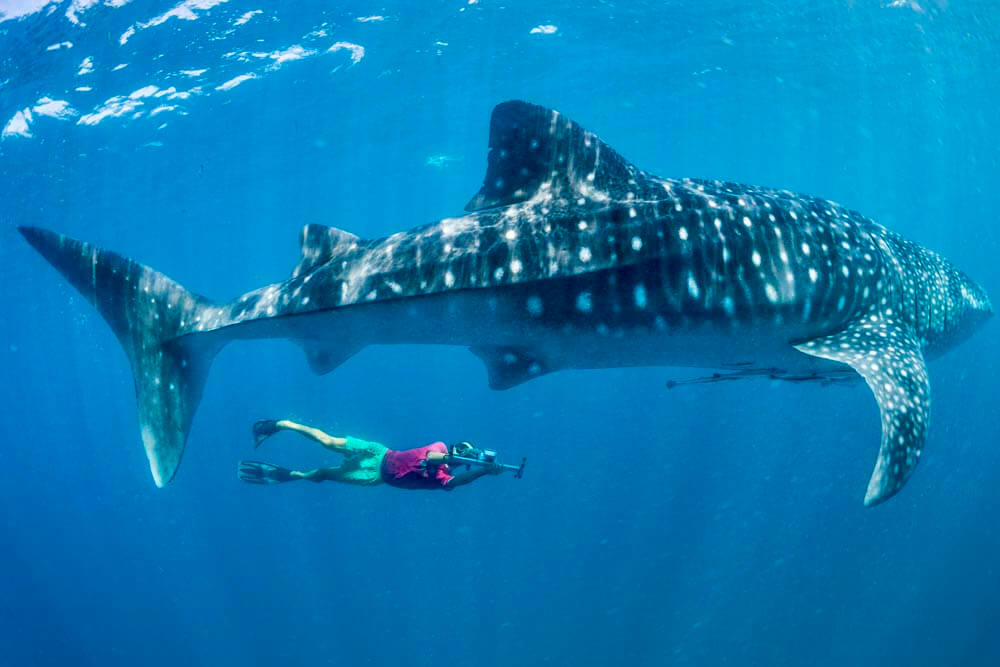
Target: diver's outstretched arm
column 464, row 478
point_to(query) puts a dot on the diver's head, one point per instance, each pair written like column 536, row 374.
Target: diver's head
column 463, row 448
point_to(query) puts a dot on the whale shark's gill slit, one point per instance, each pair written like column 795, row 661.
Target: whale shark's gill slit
column 888, row 356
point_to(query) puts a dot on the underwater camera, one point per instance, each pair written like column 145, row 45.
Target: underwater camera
column 471, row 455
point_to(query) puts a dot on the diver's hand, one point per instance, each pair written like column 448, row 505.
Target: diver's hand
column 262, row 430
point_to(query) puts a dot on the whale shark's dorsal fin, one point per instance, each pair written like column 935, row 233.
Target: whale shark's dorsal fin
column 532, row 148
column 888, row 356
column 321, row 244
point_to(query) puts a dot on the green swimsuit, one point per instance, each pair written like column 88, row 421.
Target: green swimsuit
column 362, row 463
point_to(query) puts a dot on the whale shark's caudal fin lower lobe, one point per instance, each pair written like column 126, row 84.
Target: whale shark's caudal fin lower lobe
column 147, row 312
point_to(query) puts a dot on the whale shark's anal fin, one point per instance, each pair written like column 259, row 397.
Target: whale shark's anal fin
column 889, row 357
column 508, row 367
column 324, row 357
column 150, row 314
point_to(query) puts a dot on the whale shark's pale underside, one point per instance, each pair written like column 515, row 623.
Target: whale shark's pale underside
column 571, row 257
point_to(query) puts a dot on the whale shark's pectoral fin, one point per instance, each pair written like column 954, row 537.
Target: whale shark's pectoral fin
column 888, row 356
column 508, row 367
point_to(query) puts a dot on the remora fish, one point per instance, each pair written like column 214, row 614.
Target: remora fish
column 570, row 257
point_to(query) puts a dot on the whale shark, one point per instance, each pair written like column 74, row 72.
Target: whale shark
column 570, row 257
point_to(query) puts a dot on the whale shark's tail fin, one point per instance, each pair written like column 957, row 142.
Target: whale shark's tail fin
column 147, row 312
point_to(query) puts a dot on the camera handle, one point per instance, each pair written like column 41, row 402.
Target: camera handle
column 517, row 470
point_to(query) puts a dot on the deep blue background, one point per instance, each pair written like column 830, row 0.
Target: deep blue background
column 700, row 526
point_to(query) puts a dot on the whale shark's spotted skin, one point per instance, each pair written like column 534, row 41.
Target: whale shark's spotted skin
column 571, row 257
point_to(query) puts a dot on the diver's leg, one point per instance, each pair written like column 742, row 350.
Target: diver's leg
column 322, row 437
column 349, row 473
column 315, row 475
column 267, row 427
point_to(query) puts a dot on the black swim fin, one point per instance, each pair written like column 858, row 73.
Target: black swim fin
column 258, row 472
column 262, row 430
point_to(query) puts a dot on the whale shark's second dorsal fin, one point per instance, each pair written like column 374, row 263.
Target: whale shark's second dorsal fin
column 533, row 148
column 321, row 244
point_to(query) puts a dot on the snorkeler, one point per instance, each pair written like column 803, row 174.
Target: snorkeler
column 369, row 463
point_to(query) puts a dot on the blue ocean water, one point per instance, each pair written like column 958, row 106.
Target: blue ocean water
column 705, row 525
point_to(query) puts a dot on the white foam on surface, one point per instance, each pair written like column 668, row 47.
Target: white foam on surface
column 145, row 91
column 185, row 94
column 162, row 108
column 15, row 9
column 113, row 107
column 235, row 81
column 357, row 51
column 60, row 109
column 294, row 52
column 185, row 11
column 245, row 18
column 123, row 103
column 18, row 125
